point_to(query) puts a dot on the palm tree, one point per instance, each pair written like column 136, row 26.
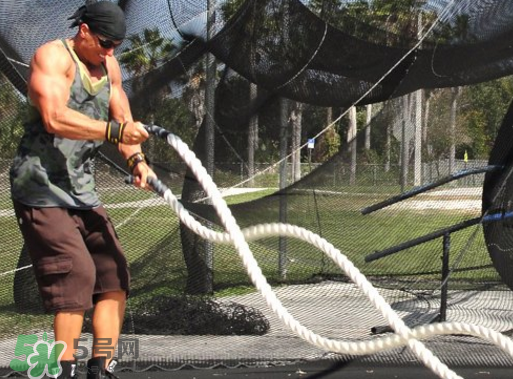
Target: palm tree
column 198, row 253
column 146, row 53
column 228, row 9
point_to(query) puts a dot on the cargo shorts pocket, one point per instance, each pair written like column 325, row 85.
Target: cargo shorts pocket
column 51, row 273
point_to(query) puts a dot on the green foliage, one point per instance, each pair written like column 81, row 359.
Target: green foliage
column 327, row 145
column 332, row 142
column 369, row 19
column 12, row 113
column 459, row 29
column 146, row 52
column 476, row 126
column 230, row 7
column 173, row 115
column 327, row 9
column 372, row 157
column 483, row 107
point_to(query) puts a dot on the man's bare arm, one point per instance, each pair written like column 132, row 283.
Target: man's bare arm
column 119, row 106
column 120, row 111
column 49, row 92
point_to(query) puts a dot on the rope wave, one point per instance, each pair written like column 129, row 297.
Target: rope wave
column 239, row 239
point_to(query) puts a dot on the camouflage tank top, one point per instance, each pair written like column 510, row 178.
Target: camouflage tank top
column 51, row 171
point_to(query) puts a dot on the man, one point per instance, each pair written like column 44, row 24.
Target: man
column 77, row 102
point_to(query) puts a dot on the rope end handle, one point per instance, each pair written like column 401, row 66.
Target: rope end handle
column 156, row 185
column 156, row 131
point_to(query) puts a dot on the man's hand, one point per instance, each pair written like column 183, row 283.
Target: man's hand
column 141, row 173
column 134, row 133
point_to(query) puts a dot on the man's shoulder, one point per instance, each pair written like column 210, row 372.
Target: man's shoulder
column 55, row 48
column 55, row 45
column 54, row 52
column 111, row 61
column 112, row 65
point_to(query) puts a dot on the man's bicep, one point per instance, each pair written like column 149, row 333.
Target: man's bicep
column 47, row 93
column 47, row 86
column 119, row 105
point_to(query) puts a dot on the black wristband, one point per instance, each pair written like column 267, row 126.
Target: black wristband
column 114, row 132
column 134, row 160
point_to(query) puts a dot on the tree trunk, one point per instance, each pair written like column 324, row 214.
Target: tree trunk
column 417, row 158
column 405, row 142
column 417, row 172
column 195, row 249
column 455, row 92
column 388, row 147
column 425, row 125
column 252, row 136
column 368, row 119
column 198, row 253
column 296, row 115
column 282, row 241
column 351, row 140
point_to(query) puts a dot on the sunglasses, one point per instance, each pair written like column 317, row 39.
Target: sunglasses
column 107, row 43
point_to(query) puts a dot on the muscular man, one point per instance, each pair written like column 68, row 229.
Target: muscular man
column 77, row 103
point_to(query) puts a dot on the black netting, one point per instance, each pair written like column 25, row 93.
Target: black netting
column 270, row 88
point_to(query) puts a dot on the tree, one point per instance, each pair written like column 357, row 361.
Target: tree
column 327, row 10
column 368, row 113
column 296, row 115
column 351, row 141
column 198, row 254
column 12, row 112
column 228, row 9
column 252, row 135
column 455, row 94
column 481, row 111
column 146, row 53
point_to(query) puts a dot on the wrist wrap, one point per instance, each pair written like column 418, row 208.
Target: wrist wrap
column 134, row 160
column 114, row 132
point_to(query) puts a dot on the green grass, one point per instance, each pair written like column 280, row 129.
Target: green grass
column 156, row 254
column 115, row 196
column 14, row 323
column 235, row 291
column 245, row 197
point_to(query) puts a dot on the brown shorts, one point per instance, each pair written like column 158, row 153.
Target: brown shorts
column 76, row 255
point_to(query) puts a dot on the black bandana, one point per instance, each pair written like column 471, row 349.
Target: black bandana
column 104, row 18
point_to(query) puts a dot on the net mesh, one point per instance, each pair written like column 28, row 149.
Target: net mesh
column 314, row 111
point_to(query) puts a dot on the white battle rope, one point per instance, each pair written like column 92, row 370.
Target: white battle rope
column 239, row 238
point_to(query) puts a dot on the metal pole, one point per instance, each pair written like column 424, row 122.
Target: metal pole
column 445, row 276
